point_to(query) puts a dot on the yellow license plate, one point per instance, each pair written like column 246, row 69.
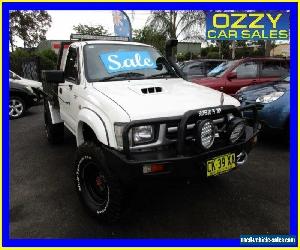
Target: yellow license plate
column 221, row 164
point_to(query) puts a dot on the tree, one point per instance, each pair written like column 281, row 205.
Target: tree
column 186, row 25
column 95, row 30
column 47, row 59
column 233, row 45
column 30, row 26
column 268, row 47
column 174, row 24
column 150, row 36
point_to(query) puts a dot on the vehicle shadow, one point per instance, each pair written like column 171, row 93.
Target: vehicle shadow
column 33, row 111
column 275, row 139
column 192, row 209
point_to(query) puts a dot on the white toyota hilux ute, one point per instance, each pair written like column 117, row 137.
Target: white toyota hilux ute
column 133, row 117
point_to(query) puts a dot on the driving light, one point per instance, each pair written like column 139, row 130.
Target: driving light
column 206, row 133
column 236, row 129
column 270, row 97
column 143, row 134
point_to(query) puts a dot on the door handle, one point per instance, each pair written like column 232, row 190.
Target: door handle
column 221, row 88
column 75, row 96
column 70, row 87
column 254, row 81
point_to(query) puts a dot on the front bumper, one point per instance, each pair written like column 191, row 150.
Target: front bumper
column 181, row 152
column 39, row 94
column 170, row 155
column 32, row 100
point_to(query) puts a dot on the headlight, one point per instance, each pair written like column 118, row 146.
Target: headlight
column 137, row 135
column 270, row 97
column 236, row 129
column 206, row 133
column 142, row 134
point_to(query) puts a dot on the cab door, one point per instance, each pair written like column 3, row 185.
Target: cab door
column 68, row 88
column 243, row 75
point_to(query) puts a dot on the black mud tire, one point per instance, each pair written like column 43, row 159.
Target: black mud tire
column 98, row 188
column 54, row 132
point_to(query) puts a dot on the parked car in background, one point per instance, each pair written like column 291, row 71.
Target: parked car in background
column 35, row 85
column 21, row 98
column 230, row 76
column 198, row 68
column 275, row 98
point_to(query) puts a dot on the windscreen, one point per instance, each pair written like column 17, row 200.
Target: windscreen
column 108, row 62
column 220, row 70
column 287, row 78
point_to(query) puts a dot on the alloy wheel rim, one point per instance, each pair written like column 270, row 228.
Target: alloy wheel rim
column 15, row 108
column 96, row 184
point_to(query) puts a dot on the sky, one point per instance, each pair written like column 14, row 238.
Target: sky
column 64, row 20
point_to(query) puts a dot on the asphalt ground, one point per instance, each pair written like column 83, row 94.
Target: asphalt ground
column 44, row 204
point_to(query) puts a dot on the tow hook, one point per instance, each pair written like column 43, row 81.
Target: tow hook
column 242, row 158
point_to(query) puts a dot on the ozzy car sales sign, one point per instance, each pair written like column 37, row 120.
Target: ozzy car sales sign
column 272, row 25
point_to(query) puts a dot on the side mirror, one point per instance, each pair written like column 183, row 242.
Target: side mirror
column 53, row 76
column 231, row 75
column 160, row 62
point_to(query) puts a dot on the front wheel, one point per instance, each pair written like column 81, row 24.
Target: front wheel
column 17, row 107
column 98, row 188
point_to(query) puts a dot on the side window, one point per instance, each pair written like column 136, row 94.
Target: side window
column 196, row 69
column 273, row 68
column 211, row 65
column 71, row 68
column 246, row 70
column 185, row 69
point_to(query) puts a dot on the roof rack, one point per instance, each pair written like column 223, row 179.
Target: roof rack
column 86, row 37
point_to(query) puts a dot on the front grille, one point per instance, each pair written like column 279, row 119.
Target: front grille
column 178, row 133
column 190, row 132
column 171, row 130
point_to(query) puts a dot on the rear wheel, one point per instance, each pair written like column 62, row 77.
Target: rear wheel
column 17, row 107
column 98, row 188
column 54, row 132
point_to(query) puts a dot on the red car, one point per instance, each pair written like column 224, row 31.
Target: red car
column 230, row 76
